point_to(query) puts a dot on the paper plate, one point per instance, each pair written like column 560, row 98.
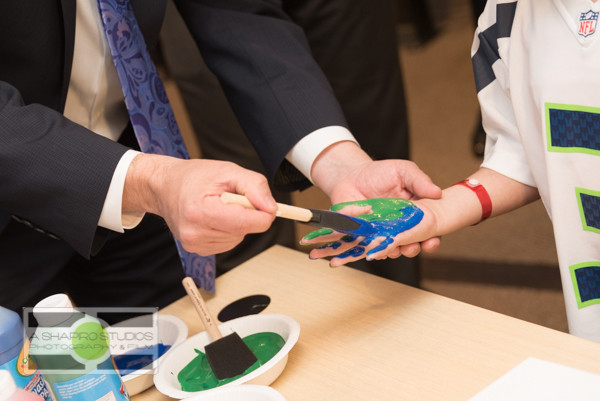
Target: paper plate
column 165, row 378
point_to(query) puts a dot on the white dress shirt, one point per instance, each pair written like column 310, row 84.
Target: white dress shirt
column 95, row 101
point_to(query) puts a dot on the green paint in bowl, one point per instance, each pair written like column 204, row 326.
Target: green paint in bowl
column 198, row 375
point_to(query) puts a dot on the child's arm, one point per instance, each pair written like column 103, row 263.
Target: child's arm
column 460, row 207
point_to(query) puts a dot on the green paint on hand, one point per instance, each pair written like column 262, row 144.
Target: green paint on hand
column 318, row 233
column 381, row 208
column 198, row 375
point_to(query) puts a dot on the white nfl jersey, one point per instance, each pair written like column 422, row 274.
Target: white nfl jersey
column 537, row 73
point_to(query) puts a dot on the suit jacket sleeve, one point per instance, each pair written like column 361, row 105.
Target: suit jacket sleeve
column 263, row 61
column 53, row 173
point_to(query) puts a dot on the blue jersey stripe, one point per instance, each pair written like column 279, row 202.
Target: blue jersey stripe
column 590, row 205
column 487, row 53
column 588, row 283
column 589, row 208
column 577, row 129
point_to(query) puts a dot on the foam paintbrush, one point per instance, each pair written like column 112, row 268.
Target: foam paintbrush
column 315, row 217
column 228, row 356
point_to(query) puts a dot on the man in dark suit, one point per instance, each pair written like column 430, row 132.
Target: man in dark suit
column 57, row 175
column 355, row 44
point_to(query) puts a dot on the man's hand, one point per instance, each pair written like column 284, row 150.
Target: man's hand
column 346, row 173
column 186, row 193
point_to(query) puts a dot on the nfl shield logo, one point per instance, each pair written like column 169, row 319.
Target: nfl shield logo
column 587, row 23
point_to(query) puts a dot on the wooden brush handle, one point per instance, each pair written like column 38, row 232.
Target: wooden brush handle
column 283, row 210
column 201, row 308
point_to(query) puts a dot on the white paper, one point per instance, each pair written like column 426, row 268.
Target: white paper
column 537, row 380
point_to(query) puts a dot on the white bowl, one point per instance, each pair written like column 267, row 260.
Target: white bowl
column 165, row 378
column 243, row 392
column 170, row 331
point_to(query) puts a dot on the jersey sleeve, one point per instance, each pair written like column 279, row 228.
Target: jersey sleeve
column 504, row 151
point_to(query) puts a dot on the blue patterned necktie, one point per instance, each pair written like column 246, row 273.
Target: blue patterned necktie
column 149, row 110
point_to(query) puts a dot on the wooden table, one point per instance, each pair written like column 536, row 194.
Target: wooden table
column 367, row 338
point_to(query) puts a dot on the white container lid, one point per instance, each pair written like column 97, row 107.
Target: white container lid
column 53, row 310
column 7, row 384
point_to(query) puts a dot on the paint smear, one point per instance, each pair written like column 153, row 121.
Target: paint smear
column 137, row 359
column 388, row 216
column 198, row 375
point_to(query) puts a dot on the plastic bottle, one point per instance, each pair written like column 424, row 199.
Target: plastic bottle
column 14, row 356
column 10, row 392
column 71, row 350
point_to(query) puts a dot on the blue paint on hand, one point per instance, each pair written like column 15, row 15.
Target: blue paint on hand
column 388, row 218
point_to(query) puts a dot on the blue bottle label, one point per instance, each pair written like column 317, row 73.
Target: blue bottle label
column 94, row 386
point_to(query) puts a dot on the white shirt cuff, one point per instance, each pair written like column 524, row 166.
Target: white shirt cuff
column 112, row 216
column 306, row 151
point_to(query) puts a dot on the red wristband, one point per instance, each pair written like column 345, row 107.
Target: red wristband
column 482, row 195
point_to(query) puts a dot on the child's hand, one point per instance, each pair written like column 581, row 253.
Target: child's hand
column 389, row 217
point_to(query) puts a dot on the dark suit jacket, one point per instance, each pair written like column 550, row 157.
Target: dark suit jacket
column 55, row 173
